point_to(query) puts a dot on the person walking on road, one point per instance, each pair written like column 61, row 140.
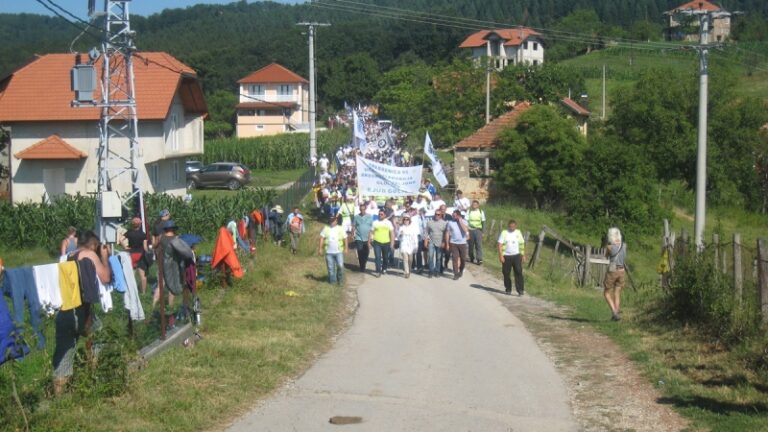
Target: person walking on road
column 435, row 243
column 512, row 256
column 616, row 251
column 361, row 229
column 295, row 225
column 456, row 233
column 409, row 243
column 476, row 222
column 333, row 242
column 382, row 239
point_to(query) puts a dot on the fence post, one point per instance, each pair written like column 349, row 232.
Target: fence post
column 762, row 278
column 587, row 276
column 684, row 242
column 554, row 255
column 716, row 245
column 537, row 251
column 738, row 275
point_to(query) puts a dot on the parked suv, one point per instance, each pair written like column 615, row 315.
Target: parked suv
column 231, row 175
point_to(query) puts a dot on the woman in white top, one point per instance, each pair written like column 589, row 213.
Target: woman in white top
column 409, row 243
column 372, row 208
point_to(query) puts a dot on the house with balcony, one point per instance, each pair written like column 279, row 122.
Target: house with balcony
column 53, row 146
column 682, row 23
column 505, row 47
column 272, row 100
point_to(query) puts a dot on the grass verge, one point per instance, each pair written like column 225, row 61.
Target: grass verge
column 716, row 387
column 256, row 335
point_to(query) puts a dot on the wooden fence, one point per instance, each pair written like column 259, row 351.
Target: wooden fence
column 567, row 259
column 746, row 265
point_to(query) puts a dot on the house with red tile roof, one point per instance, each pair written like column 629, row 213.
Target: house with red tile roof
column 506, row 46
column 473, row 166
column 682, row 22
column 53, row 145
column 578, row 113
column 272, row 100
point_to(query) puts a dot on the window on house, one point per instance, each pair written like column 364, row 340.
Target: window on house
column 535, row 62
column 285, row 90
column 525, row 45
column 174, row 132
column 260, row 127
column 175, row 172
column 256, row 90
column 154, row 174
column 535, row 46
column 481, row 168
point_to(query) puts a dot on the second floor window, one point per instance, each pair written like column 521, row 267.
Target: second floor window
column 285, row 90
column 535, row 46
column 525, row 45
column 256, row 90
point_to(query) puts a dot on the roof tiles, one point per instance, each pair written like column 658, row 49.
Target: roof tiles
column 51, row 148
column 512, row 37
column 485, row 137
column 41, row 91
column 697, row 5
column 273, row 74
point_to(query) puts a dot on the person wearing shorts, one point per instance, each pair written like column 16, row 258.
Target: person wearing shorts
column 616, row 252
column 137, row 247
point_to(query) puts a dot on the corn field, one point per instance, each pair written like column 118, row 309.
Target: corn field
column 30, row 225
column 278, row 152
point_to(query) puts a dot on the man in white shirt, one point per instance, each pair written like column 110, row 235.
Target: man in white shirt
column 461, row 203
column 323, row 163
column 512, row 256
column 436, row 203
column 333, row 241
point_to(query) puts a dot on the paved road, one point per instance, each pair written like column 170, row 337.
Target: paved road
column 424, row 355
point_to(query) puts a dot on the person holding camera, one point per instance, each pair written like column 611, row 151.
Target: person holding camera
column 616, row 251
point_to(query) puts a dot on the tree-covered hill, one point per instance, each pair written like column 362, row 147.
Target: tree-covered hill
column 224, row 42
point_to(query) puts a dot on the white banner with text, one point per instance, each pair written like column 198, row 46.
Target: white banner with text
column 378, row 179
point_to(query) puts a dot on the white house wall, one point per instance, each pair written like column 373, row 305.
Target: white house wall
column 161, row 168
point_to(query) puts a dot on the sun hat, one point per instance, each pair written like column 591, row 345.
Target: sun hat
column 164, row 213
column 278, row 209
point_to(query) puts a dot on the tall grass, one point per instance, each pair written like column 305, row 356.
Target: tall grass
column 277, row 152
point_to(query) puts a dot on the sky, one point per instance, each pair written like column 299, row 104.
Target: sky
column 80, row 7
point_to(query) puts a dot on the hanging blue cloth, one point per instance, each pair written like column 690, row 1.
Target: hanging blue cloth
column 118, row 277
column 11, row 345
column 19, row 284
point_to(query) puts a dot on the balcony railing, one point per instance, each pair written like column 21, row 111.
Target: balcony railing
column 274, row 98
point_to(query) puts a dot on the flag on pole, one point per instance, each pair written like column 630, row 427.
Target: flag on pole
column 437, row 167
column 359, row 133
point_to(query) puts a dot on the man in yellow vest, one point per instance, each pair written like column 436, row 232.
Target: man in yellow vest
column 512, row 256
column 333, row 242
column 476, row 222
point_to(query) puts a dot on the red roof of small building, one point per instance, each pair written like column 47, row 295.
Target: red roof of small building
column 697, row 5
column 41, row 90
column 575, row 107
column 272, row 74
column 485, row 137
column 512, row 37
column 51, row 148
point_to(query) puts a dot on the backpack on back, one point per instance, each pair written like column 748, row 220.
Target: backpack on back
column 295, row 224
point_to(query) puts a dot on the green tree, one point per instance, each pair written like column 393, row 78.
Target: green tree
column 354, row 78
column 545, row 83
column 538, row 157
column 221, row 114
column 616, row 187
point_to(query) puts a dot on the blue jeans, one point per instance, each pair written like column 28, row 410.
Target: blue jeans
column 435, row 258
column 381, row 254
column 335, row 263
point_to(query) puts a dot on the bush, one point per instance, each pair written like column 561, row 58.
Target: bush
column 703, row 296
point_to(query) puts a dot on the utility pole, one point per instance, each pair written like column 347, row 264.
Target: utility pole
column 488, row 94
column 312, row 109
column 602, row 116
column 118, row 121
column 701, row 154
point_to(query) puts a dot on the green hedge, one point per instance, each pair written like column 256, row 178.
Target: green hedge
column 277, row 152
